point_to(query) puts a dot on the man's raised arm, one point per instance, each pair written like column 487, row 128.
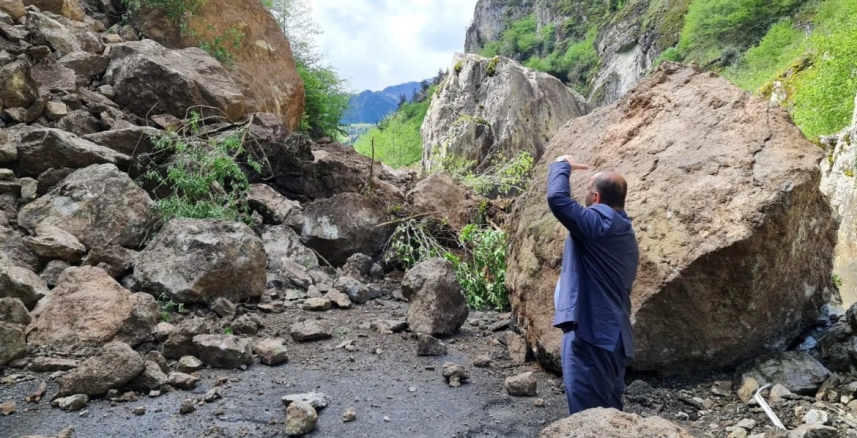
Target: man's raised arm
column 580, row 221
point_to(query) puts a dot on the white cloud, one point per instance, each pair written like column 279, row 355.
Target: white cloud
column 378, row 43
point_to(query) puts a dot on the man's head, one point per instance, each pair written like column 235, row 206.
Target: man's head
column 608, row 188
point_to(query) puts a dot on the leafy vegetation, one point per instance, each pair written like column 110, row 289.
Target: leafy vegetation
column 168, row 306
column 500, row 176
column 397, row 139
column 201, row 174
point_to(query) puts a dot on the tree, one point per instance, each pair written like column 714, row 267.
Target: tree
column 402, row 100
column 326, row 91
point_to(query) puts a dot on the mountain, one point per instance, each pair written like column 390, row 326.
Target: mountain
column 372, row 106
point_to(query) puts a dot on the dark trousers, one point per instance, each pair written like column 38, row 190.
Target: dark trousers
column 594, row 377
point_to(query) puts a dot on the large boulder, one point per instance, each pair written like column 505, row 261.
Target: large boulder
column 45, row 30
column 71, row 9
column 115, row 365
column 274, row 207
column 88, row 308
column 99, row 205
column 839, row 183
column 21, row 283
column 282, row 243
column 261, row 63
column 52, row 243
column 714, row 287
column 197, row 260
column 437, row 304
column 495, row 108
column 148, row 78
column 343, row 225
column 48, row 148
column 610, row 423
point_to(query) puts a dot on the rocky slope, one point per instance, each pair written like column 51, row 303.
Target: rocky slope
column 720, row 184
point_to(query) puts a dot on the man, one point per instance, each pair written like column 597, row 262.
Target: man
column 593, row 295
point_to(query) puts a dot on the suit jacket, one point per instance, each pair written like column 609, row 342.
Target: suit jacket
column 599, row 264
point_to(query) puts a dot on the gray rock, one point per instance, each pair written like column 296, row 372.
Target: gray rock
column 282, row 243
column 455, row 374
column 317, row 304
column 180, row 342
column 376, row 272
column 82, row 123
column 159, row 359
column 293, row 274
column 20, row 283
column 507, row 111
column 56, row 110
column 114, row 366
column 12, row 342
column 114, row 259
column 309, row 331
column 223, row 308
column 99, row 205
column 51, row 243
column 317, row 400
column 611, row 423
column 151, row 379
column 72, row 403
column 301, row 418
column 151, row 79
column 223, row 351
column 275, row 208
column 194, row 260
column 339, row 299
column 797, row 371
column 85, row 63
column 182, row 380
column 43, row 364
column 13, row 311
column 246, row 325
column 437, row 305
column 482, row 361
column 430, row 346
column 188, row 406
column 356, row 291
column 271, row 351
column 522, row 385
column 189, row 364
column 21, row 92
column 358, row 265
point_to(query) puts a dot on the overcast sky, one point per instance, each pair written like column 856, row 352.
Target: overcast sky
column 378, row 43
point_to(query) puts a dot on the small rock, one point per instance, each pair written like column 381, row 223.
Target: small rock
column 273, row 307
column 224, row 308
column 271, row 351
column 387, row 418
column 154, row 394
column 356, row 291
column 223, row 351
column 482, row 361
column 522, row 385
column 517, row 347
column 189, row 364
column 158, row 358
column 188, row 406
column 339, row 299
column 779, row 393
column 8, row 408
column 140, row 410
column 49, row 364
column 212, row 395
column 246, row 325
column 748, row 388
column 455, row 374
column 129, row 396
column 499, row 325
column 318, row 400
column 539, row 403
column 309, row 331
column 301, row 418
column 721, row 388
column 72, row 403
column 317, row 304
column 747, row 424
column 349, row 415
column 815, row 417
column 56, row 110
column 182, row 381
column 430, row 346
column 736, row 432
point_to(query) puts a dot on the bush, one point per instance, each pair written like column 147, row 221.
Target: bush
column 202, row 175
column 501, row 176
column 778, row 48
column 325, row 101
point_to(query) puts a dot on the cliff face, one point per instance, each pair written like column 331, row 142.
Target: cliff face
column 622, row 42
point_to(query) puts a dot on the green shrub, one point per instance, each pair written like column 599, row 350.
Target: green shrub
column 499, row 176
column 491, row 70
column 326, row 99
column 778, row 48
column 670, row 54
column 202, row 175
column 458, row 66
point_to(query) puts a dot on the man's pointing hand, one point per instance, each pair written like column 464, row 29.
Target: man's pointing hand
column 574, row 164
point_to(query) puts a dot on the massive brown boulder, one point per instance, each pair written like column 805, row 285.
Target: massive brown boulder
column 262, row 62
column 736, row 240
column 148, row 78
column 99, row 205
column 88, row 308
column 197, row 260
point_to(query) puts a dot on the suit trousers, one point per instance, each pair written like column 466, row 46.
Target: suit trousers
column 594, row 377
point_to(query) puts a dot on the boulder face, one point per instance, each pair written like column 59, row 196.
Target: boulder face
column 610, row 423
column 839, row 183
column 719, row 184
column 343, row 225
column 487, row 109
column 148, row 78
column 88, row 308
column 263, row 65
column 196, row 260
column 99, row 205
column 438, row 306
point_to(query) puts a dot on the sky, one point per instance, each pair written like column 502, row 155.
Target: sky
column 378, row 43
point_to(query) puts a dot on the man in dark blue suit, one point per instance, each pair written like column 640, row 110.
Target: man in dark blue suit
column 593, row 295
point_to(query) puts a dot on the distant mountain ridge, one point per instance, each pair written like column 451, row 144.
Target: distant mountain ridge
column 372, row 106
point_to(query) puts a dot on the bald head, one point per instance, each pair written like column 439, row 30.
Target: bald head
column 607, row 188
